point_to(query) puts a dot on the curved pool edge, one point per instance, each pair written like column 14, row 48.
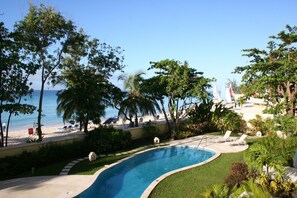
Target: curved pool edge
column 151, row 187
column 106, row 167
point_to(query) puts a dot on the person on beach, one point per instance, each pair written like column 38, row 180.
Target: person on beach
column 4, row 127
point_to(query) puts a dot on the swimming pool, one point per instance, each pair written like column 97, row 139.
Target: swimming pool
column 131, row 177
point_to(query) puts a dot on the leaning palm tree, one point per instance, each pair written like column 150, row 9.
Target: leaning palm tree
column 136, row 102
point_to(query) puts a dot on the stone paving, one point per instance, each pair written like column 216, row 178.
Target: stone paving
column 71, row 185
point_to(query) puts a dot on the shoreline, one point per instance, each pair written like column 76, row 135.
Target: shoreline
column 17, row 137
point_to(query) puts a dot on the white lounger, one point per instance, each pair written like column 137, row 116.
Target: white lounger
column 225, row 137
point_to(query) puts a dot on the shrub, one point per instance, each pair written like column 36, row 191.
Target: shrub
column 238, row 173
column 151, row 130
column 209, row 117
column 49, row 154
column 216, row 191
column 265, row 126
column 104, row 139
column 233, row 122
column 287, row 123
column 183, row 134
column 272, row 151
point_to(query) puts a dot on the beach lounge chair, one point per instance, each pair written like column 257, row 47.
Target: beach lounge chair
column 239, row 141
column 225, row 138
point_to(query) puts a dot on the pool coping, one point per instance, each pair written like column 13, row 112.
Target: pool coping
column 153, row 184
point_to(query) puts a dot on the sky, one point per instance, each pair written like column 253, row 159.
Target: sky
column 209, row 34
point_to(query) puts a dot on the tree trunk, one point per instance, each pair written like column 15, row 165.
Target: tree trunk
column 291, row 92
column 80, row 125
column 136, row 120
column 86, row 127
column 39, row 131
column 8, row 123
column 171, row 103
column 2, row 136
column 292, row 109
column 86, row 124
column 165, row 116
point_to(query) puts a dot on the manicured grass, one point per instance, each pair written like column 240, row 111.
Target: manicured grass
column 192, row 183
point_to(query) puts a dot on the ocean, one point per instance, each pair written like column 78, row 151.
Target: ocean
column 50, row 117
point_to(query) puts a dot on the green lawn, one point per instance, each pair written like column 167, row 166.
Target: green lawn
column 191, row 183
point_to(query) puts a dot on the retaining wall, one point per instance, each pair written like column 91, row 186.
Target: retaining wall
column 136, row 133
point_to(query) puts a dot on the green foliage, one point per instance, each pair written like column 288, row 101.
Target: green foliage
column 209, row 117
column 14, row 84
column 233, row 122
column 136, row 100
column 250, row 188
column 273, row 152
column 238, row 173
column 265, row 126
column 183, row 134
column 206, row 117
column 287, row 124
column 32, row 140
column 279, row 187
column 45, row 35
column 46, row 155
column 271, row 73
column 104, row 140
column 216, row 191
column 184, row 86
column 85, row 75
column 151, row 130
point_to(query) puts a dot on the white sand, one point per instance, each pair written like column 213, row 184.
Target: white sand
column 49, row 133
column 54, row 132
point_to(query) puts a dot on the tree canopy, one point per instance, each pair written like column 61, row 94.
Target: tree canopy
column 87, row 68
column 136, row 100
column 14, row 79
column 185, row 86
column 271, row 73
column 45, row 34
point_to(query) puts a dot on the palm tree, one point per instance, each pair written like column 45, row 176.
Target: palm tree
column 135, row 101
column 82, row 99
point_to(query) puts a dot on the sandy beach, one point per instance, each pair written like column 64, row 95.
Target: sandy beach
column 56, row 132
column 51, row 133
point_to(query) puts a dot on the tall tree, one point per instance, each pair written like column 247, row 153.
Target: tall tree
column 155, row 88
column 272, row 73
column 14, row 83
column 136, row 101
column 87, row 70
column 45, row 34
column 185, row 87
column 82, row 100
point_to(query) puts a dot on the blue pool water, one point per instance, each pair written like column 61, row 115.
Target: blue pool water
column 131, row 177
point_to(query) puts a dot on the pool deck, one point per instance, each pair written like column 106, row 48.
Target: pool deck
column 71, row 185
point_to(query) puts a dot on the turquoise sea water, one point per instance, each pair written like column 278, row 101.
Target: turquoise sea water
column 131, row 177
column 50, row 117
